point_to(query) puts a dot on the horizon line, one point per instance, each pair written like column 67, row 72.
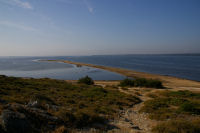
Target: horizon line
column 100, row 55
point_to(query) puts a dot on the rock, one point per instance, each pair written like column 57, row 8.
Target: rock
column 15, row 106
column 40, row 101
column 2, row 101
column 33, row 104
column 43, row 115
column 127, row 120
column 52, row 107
column 55, row 107
column 136, row 127
column 14, row 122
column 18, row 118
column 1, row 129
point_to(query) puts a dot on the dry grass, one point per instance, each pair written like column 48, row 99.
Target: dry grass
column 177, row 111
column 61, row 129
column 178, row 126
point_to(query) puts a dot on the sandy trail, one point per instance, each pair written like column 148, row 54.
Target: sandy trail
column 131, row 120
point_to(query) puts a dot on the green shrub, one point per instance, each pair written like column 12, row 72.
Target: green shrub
column 189, row 107
column 142, row 82
column 163, row 114
column 172, row 104
column 86, row 80
column 127, row 82
column 176, row 101
column 149, row 83
column 154, row 104
column 154, row 84
column 178, row 126
column 181, row 94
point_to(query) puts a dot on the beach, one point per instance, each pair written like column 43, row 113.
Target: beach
column 168, row 81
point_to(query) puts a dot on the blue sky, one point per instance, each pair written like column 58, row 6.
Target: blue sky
column 88, row 27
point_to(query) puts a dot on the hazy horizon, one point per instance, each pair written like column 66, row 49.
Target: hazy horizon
column 93, row 27
column 100, row 54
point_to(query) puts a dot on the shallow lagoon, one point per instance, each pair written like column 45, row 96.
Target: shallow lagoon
column 31, row 67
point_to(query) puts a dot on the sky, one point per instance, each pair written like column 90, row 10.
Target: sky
column 98, row 27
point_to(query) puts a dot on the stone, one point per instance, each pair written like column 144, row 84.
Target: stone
column 18, row 118
column 14, row 122
column 1, row 129
column 2, row 101
column 14, row 106
column 33, row 104
column 127, row 120
column 136, row 127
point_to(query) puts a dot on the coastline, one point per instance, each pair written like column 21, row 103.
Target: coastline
column 130, row 109
column 168, row 81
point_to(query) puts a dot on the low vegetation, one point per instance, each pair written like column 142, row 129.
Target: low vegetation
column 75, row 105
column 86, row 80
column 179, row 111
column 142, row 82
column 178, row 126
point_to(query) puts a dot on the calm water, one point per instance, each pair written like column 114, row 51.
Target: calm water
column 30, row 67
column 183, row 66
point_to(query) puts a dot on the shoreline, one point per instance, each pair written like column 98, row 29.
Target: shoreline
column 168, row 81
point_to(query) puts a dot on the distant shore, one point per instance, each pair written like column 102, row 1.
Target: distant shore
column 168, row 81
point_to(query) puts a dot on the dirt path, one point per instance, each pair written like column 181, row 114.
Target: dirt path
column 131, row 120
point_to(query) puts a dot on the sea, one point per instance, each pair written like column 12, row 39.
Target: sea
column 185, row 66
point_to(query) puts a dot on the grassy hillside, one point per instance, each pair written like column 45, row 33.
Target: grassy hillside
column 56, row 106
column 177, row 111
column 74, row 105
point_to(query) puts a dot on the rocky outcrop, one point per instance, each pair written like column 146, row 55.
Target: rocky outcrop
column 15, row 122
column 17, row 118
column 1, row 129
